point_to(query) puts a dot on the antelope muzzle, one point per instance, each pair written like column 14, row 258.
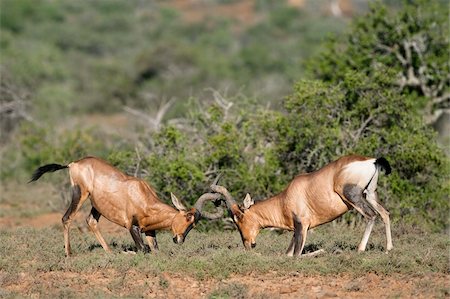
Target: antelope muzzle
column 178, row 239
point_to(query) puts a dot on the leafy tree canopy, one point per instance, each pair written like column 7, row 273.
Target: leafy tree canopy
column 413, row 43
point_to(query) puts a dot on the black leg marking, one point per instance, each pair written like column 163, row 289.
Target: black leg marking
column 137, row 237
column 76, row 196
column 93, row 218
column 298, row 237
column 96, row 214
column 354, row 194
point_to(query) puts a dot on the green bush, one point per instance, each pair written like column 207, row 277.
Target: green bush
column 261, row 151
column 105, row 55
column 366, row 116
column 412, row 43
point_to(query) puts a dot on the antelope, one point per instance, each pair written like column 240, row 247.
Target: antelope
column 127, row 201
column 313, row 199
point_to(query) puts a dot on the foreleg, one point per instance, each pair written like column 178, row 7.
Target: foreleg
column 151, row 240
column 300, row 231
column 290, row 250
column 137, row 237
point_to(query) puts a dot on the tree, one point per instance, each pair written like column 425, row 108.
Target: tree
column 412, row 42
column 260, row 151
column 369, row 116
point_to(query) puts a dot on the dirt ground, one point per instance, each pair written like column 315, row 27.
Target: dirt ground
column 268, row 285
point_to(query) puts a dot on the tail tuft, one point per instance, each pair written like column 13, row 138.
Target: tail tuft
column 384, row 164
column 46, row 168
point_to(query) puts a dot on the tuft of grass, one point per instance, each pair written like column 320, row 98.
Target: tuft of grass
column 229, row 290
column 164, row 283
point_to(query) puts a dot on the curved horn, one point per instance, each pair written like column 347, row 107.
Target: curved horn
column 228, row 198
column 201, row 202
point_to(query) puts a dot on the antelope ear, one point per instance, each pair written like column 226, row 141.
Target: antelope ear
column 177, row 203
column 236, row 218
column 237, row 213
column 190, row 216
column 248, row 201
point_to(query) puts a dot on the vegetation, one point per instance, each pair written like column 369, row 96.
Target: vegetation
column 114, row 53
column 205, row 256
column 410, row 44
column 369, row 91
column 258, row 99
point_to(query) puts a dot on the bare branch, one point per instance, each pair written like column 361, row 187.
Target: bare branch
column 162, row 111
column 138, row 163
column 361, row 129
column 221, row 102
column 153, row 121
column 441, row 99
column 433, row 117
column 393, row 50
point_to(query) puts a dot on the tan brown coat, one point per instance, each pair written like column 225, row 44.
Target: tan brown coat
column 313, row 199
column 125, row 200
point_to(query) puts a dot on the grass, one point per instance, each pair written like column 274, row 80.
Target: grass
column 220, row 254
column 35, row 257
column 231, row 290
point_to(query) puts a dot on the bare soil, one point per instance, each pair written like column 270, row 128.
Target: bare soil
column 253, row 285
column 269, row 285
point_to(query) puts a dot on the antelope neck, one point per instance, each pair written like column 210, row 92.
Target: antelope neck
column 162, row 217
column 269, row 213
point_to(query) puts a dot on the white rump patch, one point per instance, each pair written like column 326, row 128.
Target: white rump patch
column 360, row 172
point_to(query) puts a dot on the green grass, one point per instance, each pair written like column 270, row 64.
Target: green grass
column 220, row 254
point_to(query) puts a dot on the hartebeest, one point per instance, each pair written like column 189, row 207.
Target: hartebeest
column 313, row 199
column 125, row 200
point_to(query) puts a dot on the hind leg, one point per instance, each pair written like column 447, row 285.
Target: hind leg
column 362, row 245
column 353, row 195
column 371, row 198
column 78, row 198
column 92, row 221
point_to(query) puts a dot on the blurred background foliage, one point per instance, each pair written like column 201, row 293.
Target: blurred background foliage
column 176, row 92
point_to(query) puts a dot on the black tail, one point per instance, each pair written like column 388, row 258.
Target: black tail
column 383, row 164
column 46, row 168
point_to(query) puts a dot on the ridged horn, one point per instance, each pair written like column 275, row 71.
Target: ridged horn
column 228, row 198
column 201, row 202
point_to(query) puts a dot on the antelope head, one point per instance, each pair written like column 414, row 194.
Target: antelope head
column 186, row 219
column 242, row 216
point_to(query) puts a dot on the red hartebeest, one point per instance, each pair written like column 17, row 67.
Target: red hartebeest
column 125, row 200
column 313, row 199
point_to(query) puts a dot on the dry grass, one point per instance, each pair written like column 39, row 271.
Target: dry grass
column 220, row 254
column 35, row 256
